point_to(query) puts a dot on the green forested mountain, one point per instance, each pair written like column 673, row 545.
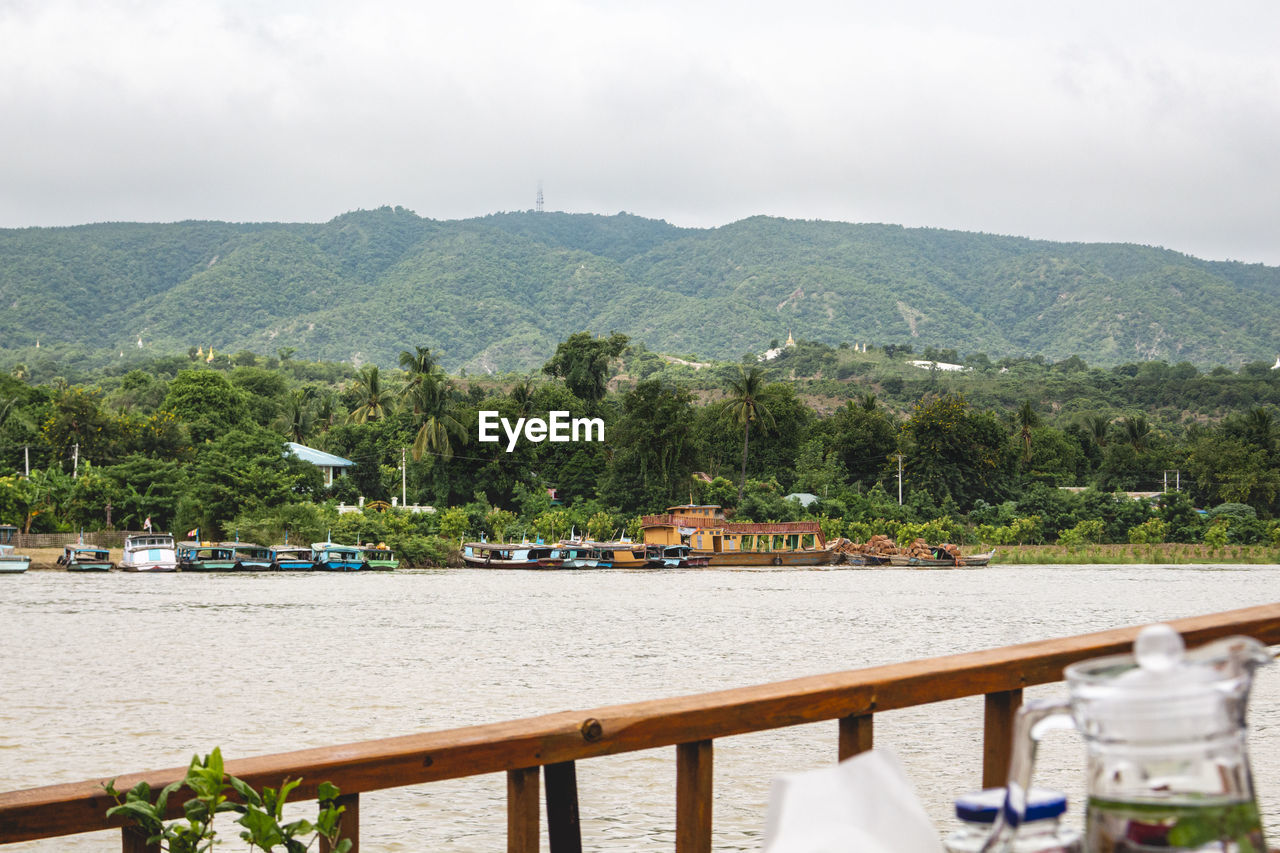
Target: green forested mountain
column 497, row 293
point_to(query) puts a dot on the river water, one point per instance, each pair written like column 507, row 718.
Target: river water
column 107, row 674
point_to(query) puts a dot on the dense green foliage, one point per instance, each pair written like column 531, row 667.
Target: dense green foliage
column 1011, row 451
column 494, row 294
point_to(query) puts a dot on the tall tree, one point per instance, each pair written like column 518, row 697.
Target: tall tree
column 1097, row 426
column 371, row 397
column 582, row 361
column 744, row 407
column 429, row 394
column 1027, row 420
column 1137, row 432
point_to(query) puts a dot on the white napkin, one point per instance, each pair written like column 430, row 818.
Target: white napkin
column 862, row 805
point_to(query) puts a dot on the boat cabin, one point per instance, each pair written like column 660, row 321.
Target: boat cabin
column 703, row 527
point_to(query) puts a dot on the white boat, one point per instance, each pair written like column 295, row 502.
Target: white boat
column 12, row 563
column 149, row 552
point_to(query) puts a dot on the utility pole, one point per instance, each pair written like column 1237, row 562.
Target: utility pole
column 26, row 460
column 403, row 481
column 75, row 461
column 899, row 479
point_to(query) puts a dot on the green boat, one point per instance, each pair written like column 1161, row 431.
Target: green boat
column 379, row 558
column 86, row 558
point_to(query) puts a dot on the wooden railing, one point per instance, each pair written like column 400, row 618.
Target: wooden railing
column 543, row 749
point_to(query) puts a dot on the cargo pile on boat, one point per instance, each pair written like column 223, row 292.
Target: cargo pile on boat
column 878, row 544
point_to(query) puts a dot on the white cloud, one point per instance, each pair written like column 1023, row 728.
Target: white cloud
column 1150, row 122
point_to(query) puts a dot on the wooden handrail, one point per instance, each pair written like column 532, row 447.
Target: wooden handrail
column 689, row 722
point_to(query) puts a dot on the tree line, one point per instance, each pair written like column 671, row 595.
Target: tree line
column 1005, row 453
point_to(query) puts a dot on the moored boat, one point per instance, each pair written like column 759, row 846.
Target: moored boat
column 332, row 557
column 205, row 557
column 622, row 554
column 942, row 560
column 86, row 558
column 149, row 552
column 380, row 557
column 11, row 562
column 509, row 555
column 293, row 558
column 251, row 558
column 571, row 555
column 674, row 557
column 704, row 528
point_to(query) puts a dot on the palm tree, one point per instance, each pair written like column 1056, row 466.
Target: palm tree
column 1260, row 427
column 522, row 396
column 1097, row 426
column 745, row 407
column 369, row 388
column 1027, row 419
column 427, row 391
column 1137, row 432
column 421, row 367
column 297, row 416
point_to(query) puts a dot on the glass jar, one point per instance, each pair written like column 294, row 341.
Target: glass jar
column 1040, row 831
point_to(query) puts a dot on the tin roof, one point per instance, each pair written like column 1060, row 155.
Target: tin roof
column 318, row 457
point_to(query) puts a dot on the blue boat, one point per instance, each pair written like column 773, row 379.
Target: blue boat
column 332, row 557
column 292, row 558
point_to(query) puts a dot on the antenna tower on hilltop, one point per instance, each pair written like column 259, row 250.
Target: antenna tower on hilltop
column 539, row 206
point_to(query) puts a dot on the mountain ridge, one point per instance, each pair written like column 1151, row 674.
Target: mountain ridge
column 498, row 292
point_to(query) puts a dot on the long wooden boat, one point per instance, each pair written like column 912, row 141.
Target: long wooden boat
column 622, row 554
column 11, row 562
column 937, row 562
column 252, row 558
column 86, row 558
column 704, row 528
column 205, row 557
column 674, row 557
column 332, row 557
column 572, row 555
column 509, row 555
column 293, row 558
column 149, row 552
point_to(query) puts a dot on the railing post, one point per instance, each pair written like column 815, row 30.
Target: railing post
column 693, row 797
column 856, row 734
column 349, row 825
column 134, row 840
column 564, row 832
column 522, row 810
column 997, row 736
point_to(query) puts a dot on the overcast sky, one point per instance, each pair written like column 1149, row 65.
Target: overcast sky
column 1147, row 122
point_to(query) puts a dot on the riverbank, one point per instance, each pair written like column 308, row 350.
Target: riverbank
column 1168, row 553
